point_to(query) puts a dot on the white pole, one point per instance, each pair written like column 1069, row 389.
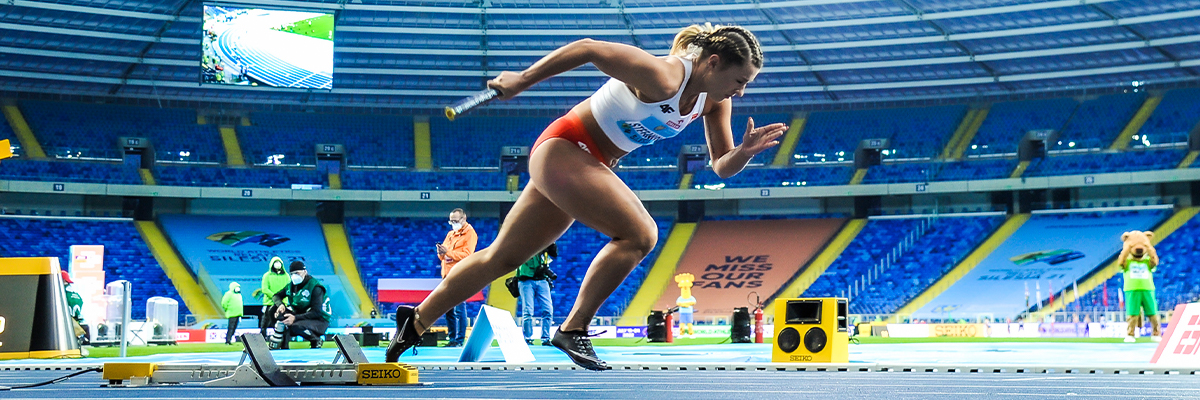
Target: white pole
column 125, row 315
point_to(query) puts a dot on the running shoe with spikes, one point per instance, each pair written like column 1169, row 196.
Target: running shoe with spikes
column 578, row 347
column 406, row 333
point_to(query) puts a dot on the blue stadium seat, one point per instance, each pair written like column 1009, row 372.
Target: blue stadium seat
column 914, row 132
column 370, row 140
column 263, row 177
column 1096, row 122
column 1007, row 123
column 654, row 179
column 125, row 253
column 91, row 130
column 414, row 180
column 1174, row 117
column 1176, row 280
column 70, row 171
column 401, row 248
column 476, row 142
column 946, row 242
column 1105, row 162
column 772, row 177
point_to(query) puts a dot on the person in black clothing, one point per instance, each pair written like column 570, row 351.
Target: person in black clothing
column 307, row 313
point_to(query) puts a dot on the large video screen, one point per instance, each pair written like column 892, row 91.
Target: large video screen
column 260, row 47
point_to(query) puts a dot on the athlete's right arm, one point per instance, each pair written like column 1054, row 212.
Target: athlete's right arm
column 653, row 76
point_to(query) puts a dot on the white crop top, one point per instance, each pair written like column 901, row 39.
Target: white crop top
column 631, row 123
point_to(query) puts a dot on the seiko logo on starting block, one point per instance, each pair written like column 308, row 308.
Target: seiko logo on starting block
column 801, row 358
column 386, row 374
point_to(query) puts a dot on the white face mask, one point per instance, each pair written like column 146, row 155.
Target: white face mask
column 296, row 279
column 456, row 225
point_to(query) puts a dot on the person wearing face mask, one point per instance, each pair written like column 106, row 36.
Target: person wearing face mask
column 274, row 280
column 307, row 312
column 232, row 304
column 459, row 243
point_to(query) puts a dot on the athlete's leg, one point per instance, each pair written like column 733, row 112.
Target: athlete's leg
column 595, row 196
column 533, row 223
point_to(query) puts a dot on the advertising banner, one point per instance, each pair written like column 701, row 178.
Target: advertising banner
column 1181, row 341
column 730, row 259
column 1048, row 251
column 958, row 330
column 221, row 250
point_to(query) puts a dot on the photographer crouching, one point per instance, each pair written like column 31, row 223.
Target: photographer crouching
column 307, row 313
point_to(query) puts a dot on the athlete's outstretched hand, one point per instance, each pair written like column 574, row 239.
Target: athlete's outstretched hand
column 758, row 139
column 509, row 84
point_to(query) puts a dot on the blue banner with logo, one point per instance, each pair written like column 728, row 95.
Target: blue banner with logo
column 221, row 249
column 1048, row 252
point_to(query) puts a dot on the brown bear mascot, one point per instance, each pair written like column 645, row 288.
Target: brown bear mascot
column 1138, row 261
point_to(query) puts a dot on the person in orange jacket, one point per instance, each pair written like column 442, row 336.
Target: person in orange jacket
column 460, row 242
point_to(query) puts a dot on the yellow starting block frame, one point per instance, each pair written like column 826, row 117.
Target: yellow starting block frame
column 262, row 371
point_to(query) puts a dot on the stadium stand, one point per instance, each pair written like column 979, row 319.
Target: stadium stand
column 1006, row 123
column 915, row 132
column 772, row 217
column 872, row 244
column 267, row 177
column 476, row 142
column 91, row 130
column 126, row 256
column 976, row 169
column 1176, row 280
column 381, row 253
column 940, row 249
column 902, row 172
column 412, row 180
column 403, row 248
column 370, row 140
column 69, row 171
column 1096, row 122
column 771, row 177
column 576, row 249
column 1174, row 117
column 1105, row 162
column 652, row 179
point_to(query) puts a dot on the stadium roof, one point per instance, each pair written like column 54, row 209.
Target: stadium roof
column 424, row 54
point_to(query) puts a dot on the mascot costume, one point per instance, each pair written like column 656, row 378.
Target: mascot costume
column 1138, row 261
column 685, row 303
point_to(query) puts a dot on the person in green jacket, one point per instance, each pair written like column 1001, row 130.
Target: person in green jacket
column 75, row 309
column 232, row 304
column 274, row 280
column 535, row 279
column 307, row 313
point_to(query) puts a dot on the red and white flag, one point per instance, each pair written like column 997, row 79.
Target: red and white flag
column 413, row 290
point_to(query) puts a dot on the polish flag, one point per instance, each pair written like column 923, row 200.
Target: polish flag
column 411, row 290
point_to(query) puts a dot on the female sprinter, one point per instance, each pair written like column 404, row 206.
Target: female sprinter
column 648, row 99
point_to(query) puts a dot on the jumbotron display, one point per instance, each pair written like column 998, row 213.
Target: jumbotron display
column 259, row 47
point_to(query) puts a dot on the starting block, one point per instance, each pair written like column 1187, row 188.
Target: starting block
column 263, row 371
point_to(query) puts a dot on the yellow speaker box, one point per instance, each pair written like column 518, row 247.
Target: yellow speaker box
column 811, row 330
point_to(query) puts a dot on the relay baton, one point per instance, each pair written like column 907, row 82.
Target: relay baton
column 470, row 102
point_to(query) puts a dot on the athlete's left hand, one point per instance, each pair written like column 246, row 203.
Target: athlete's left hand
column 758, row 139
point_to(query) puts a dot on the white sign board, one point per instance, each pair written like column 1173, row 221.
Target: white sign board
column 1181, row 342
column 494, row 323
